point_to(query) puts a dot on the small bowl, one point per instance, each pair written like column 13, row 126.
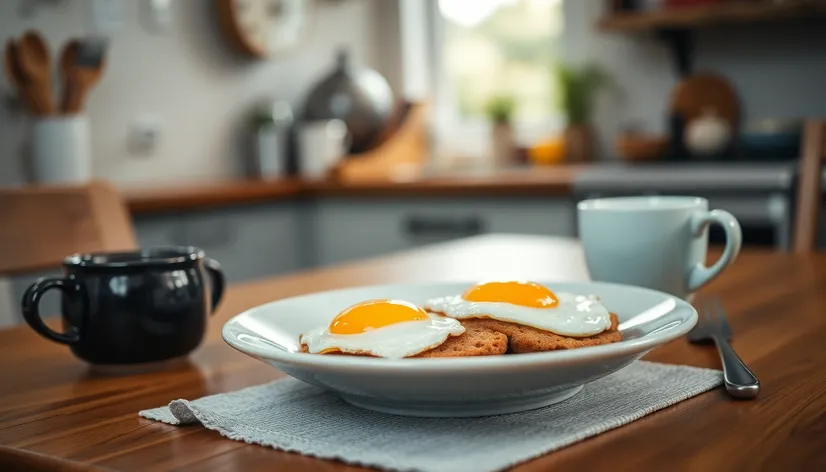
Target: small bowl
column 771, row 139
column 772, row 126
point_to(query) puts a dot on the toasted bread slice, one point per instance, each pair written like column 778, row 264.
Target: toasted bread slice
column 522, row 339
column 476, row 341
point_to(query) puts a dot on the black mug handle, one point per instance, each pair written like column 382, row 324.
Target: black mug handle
column 31, row 308
column 214, row 268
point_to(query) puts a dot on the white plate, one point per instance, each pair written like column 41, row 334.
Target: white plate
column 465, row 386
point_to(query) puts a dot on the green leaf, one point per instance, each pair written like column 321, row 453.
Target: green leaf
column 578, row 89
column 500, row 108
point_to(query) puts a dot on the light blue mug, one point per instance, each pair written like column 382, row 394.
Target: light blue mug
column 655, row 242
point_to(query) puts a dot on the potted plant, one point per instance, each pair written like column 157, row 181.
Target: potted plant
column 579, row 87
column 500, row 112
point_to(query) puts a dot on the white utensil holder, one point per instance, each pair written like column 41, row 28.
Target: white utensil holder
column 61, row 150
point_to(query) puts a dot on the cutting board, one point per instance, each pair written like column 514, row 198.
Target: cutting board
column 699, row 92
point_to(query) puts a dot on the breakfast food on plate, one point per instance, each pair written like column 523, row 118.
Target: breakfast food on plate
column 491, row 318
column 383, row 328
column 476, row 341
column 522, row 339
column 531, row 316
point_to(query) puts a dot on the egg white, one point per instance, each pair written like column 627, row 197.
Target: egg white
column 574, row 316
column 394, row 341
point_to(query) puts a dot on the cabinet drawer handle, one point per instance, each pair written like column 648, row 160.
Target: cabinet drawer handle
column 443, row 226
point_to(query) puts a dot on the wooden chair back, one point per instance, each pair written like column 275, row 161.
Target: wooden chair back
column 39, row 226
column 809, row 188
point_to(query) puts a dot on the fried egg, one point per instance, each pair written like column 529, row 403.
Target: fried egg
column 528, row 304
column 385, row 328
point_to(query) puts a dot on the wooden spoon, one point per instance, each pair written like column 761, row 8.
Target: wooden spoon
column 83, row 70
column 35, row 64
column 71, row 94
column 16, row 76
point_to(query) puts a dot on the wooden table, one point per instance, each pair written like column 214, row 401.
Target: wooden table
column 55, row 412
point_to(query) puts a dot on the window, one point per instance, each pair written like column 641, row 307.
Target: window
column 484, row 49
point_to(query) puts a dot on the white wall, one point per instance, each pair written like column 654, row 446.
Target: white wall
column 778, row 70
column 188, row 78
column 200, row 90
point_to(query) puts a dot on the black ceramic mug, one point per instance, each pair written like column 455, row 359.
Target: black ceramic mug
column 131, row 307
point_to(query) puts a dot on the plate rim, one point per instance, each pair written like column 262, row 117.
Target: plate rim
column 469, row 363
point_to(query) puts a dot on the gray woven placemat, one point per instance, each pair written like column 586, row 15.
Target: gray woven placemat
column 293, row 416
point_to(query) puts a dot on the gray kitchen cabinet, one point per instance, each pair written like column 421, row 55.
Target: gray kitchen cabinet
column 352, row 228
column 249, row 241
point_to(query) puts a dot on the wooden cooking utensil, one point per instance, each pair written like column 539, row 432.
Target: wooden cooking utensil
column 15, row 79
column 16, row 76
column 35, row 65
column 82, row 65
column 68, row 57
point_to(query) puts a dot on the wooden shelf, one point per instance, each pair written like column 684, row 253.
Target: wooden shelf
column 702, row 16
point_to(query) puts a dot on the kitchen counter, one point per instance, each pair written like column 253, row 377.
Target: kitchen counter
column 693, row 178
column 553, row 181
column 689, row 177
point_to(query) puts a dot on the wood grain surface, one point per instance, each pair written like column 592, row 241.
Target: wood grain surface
column 715, row 14
column 55, row 408
column 809, row 187
column 554, row 181
column 41, row 225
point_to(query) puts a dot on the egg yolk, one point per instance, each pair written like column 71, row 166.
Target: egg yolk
column 529, row 294
column 374, row 314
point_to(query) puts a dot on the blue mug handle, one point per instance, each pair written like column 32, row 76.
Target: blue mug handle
column 700, row 274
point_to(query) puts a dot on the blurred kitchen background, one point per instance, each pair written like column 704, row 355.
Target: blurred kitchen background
column 279, row 135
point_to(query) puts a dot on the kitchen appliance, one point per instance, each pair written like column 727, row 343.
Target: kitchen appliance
column 359, row 97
